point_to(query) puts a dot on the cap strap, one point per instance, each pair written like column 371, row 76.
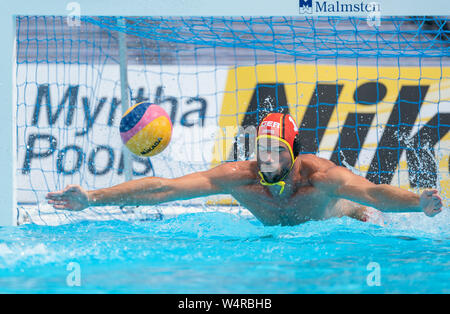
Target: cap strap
column 264, row 182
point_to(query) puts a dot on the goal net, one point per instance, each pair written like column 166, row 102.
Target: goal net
column 373, row 98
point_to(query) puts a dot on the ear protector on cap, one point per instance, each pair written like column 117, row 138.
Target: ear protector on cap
column 296, row 146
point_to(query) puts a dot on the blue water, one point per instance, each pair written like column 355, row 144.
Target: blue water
column 224, row 253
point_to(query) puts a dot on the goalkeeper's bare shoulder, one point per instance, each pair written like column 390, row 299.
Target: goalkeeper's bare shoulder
column 312, row 188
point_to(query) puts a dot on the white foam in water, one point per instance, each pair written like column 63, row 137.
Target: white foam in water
column 18, row 251
column 45, row 214
column 419, row 222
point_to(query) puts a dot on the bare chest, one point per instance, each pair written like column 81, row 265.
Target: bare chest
column 306, row 203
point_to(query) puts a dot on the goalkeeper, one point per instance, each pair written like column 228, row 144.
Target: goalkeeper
column 280, row 188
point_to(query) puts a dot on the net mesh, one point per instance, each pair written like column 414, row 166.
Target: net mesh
column 371, row 98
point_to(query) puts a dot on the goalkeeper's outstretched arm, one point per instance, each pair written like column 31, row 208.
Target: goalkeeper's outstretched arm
column 344, row 184
column 146, row 191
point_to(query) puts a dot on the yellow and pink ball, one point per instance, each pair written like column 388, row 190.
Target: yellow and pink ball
column 146, row 129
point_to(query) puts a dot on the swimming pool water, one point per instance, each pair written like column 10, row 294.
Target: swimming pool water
column 225, row 253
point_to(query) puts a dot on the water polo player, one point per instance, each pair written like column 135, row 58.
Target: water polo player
column 280, row 188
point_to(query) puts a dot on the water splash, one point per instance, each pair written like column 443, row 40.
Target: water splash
column 269, row 104
column 423, row 163
column 350, row 167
